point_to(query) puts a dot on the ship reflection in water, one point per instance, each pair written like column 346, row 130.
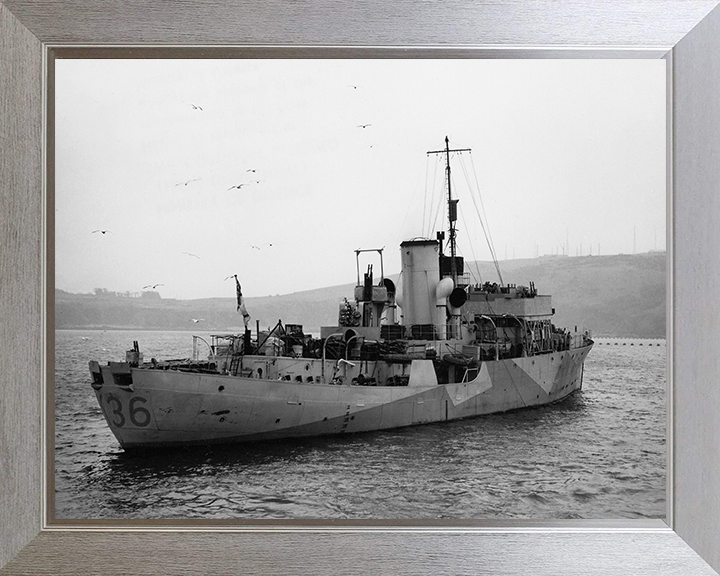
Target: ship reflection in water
column 598, row 454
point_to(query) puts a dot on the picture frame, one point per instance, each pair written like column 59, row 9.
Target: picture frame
column 687, row 34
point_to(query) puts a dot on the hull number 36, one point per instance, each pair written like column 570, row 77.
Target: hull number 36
column 137, row 415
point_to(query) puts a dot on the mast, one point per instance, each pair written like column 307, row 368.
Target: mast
column 451, row 217
column 452, row 205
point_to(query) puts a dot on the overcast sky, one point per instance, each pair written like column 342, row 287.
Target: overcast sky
column 563, row 152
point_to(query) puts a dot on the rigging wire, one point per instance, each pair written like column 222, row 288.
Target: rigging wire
column 478, row 279
column 482, row 223
column 470, row 242
column 486, row 230
column 480, row 211
column 477, row 187
column 467, row 228
column 483, row 218
column 482, row 205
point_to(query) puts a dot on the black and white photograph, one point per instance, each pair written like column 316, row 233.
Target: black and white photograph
column 359, row 289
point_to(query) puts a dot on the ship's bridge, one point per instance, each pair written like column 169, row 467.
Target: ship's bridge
column 511, row 300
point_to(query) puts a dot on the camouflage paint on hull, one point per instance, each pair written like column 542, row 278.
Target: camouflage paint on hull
column 171, row 408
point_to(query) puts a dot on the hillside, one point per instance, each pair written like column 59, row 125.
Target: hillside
column 621, row 295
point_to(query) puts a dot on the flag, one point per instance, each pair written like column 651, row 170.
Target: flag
column 241, row 303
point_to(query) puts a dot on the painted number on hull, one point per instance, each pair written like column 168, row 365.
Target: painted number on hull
column 139, row 416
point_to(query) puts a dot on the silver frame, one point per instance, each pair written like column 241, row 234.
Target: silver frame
column 687, row 33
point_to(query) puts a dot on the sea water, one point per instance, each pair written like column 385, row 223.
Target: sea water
column 600, row 453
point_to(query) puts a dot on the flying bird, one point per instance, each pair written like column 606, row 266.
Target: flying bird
column 186, row 183
column 196, row 107
column 153, row 286
column 193, row 255
column 251, row 170
column 253, row 246
column 352, row 86
column 231, row 276
column 364, row 125
column 196, row 320
column 102, row 231
column 238, row 186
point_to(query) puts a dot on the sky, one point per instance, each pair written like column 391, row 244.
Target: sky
column 331, row 157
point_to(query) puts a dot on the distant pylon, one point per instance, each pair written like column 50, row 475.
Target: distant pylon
column 567, row 242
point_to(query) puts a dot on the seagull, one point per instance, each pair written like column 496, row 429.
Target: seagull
column 195, row 107
column 153, row 286
column 186, row 183
column 193, row 255
column 102, row 231
column 238, row 186
column 196, row 320
column 364, row 125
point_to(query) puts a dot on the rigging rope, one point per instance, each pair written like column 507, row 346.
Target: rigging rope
column 486, row 232
column 470, row 242
column 477, row 280
column 480, row 211
column 477, row 211
column 482, row 205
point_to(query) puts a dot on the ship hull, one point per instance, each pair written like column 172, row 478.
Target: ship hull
column 158, row 408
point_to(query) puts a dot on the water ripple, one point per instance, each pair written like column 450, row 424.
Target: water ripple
column 598, row 454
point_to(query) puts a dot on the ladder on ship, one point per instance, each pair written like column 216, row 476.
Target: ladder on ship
column 235, row 364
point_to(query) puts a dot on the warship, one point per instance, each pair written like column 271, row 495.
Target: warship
column 433, row 346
